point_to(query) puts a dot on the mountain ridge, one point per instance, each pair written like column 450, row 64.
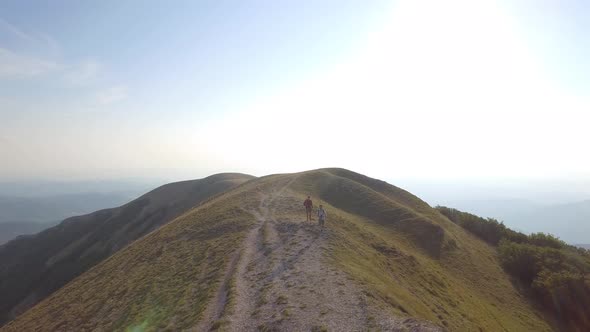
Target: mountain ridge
column 370, row 263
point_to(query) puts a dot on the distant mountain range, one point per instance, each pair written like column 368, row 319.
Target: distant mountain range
column 29, row 215
column 10, row 230
column 57, row 207
column 27, row 207
column 45, row 188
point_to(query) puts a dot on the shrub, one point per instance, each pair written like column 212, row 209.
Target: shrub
column 545, row 240
column 489, row 230
column 531, row 263
column 520, row 260
column 567, row 294
column 492, row 231
column 557, row 277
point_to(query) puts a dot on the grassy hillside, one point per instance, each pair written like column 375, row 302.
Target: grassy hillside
column 33, row 267
column 238, row 263
column 415, row 261
column 163, row 280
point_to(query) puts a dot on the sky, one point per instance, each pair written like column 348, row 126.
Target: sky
column 437, row 90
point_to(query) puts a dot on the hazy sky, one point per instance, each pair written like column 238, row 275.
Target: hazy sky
column 418, row 89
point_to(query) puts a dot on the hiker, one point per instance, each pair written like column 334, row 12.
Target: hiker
column 322, row 216
column 308, row 206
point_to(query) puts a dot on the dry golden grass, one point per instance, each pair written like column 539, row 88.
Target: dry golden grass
column 409, row 259
column 461, row 287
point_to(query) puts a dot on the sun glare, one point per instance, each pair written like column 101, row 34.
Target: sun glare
column 419, row 78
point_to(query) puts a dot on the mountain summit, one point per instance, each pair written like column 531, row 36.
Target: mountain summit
column 245, row 260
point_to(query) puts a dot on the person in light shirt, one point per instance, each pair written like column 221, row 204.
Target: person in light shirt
column 322, row 214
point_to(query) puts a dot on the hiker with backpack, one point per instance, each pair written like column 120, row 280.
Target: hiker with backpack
column 308, row 206
column 322, row 214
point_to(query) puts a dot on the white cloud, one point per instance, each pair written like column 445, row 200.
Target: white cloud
column 34, row 42
column 35, row 57
column 18, row 65
column 83, row 73
column 13, row 65
column 35, row 54
column 52, row 45
column 112, row 95
column 16, row 32
column 28, row 55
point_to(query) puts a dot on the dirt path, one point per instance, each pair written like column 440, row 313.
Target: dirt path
column 281, row 281
column 216, row 309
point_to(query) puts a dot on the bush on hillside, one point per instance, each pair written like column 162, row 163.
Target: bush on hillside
column 557, row 274
column 489, row 230
column 526, row 261
column 545, row 240
column 557, row 277
column 520, row 260
column 492, row 231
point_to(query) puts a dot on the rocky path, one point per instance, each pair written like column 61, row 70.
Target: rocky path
column 280, row 281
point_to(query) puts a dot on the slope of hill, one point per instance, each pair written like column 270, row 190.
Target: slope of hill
column 32, row 267
column 550, row 272
column 246, row 261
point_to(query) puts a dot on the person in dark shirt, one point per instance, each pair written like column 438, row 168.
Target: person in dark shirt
column 308, row 207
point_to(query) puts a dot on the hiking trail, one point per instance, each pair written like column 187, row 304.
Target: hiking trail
column 278, row 280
